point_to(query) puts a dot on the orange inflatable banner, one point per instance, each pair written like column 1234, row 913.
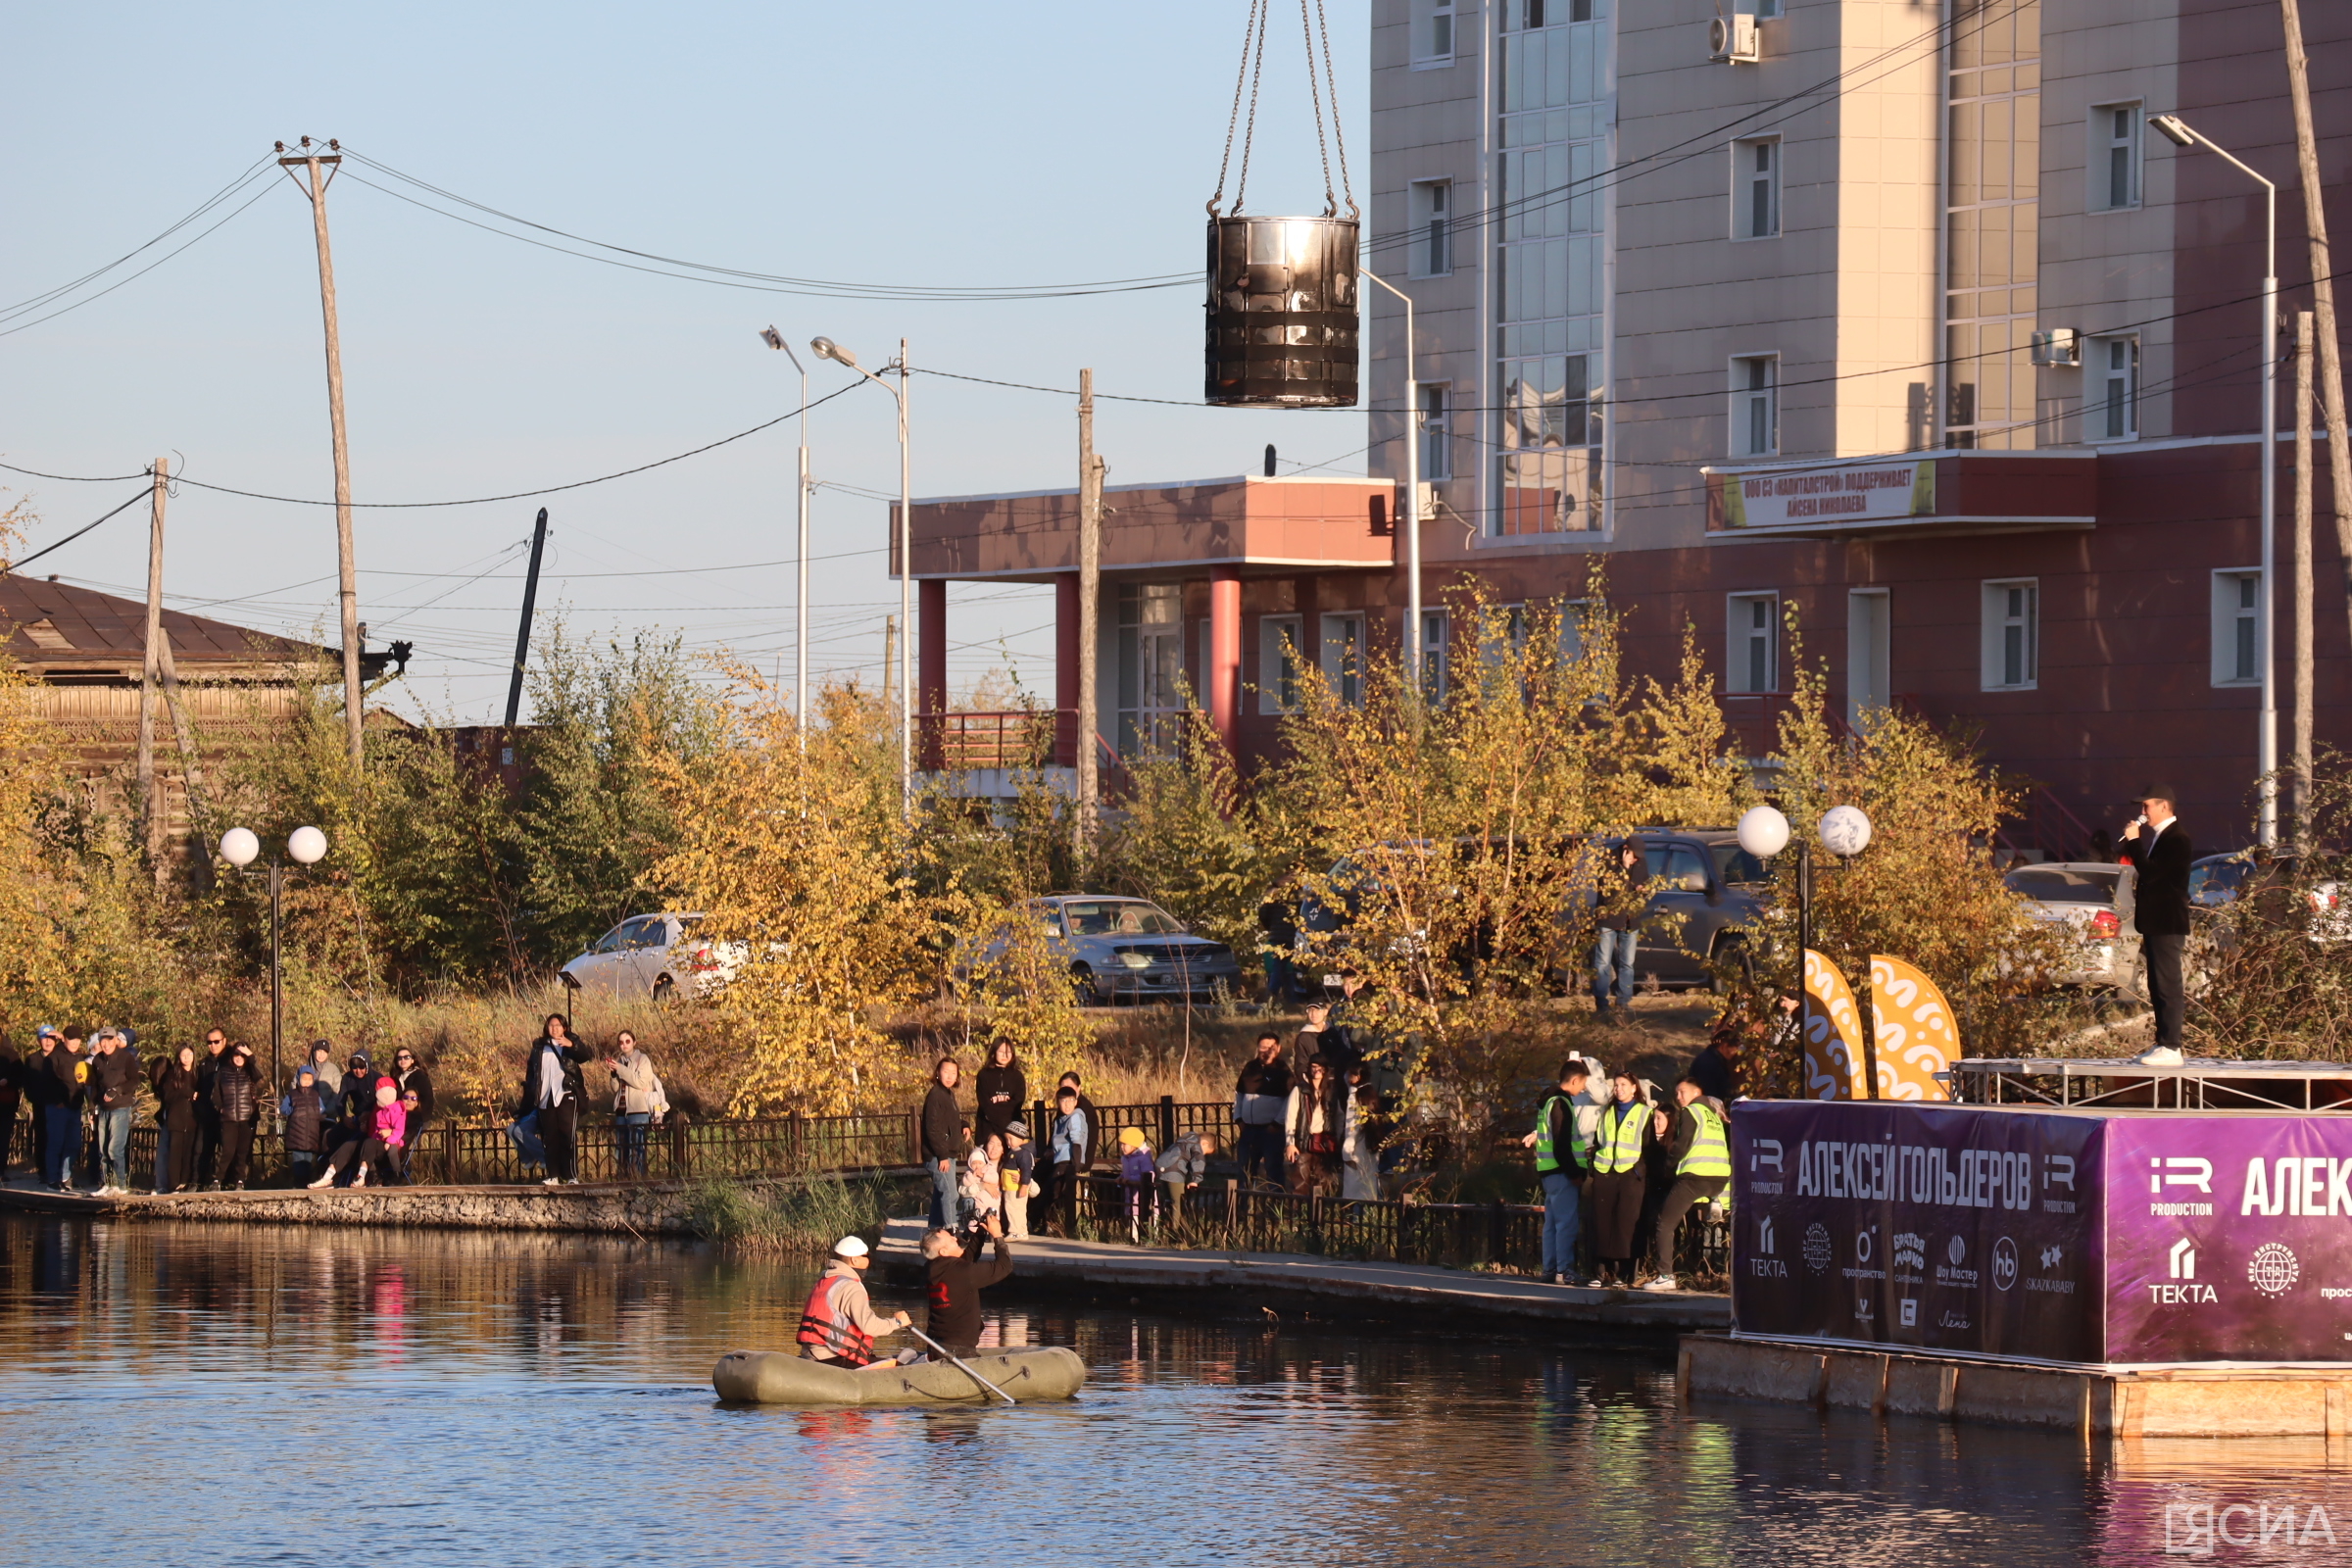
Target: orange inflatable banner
column 1914, row 1031
column 1833, row 1058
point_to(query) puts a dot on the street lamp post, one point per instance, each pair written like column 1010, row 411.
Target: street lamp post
column 2266, row 732
column 305, row 846
column 826, row 349
column 799, row 680
column 1409, row 523
column 1845, row 832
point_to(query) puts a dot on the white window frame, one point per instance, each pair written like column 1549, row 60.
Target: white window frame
column 1430, row 253
column 1436, row 400
column 1745, row 180
column 1869, row 653
column 1437, row 652
column 1343, row 630
column 2229, row 613
column 2099, row 378
column 1738, row 439
column 1281, row 665
column 1572, row 628
column 1434, row 21
column 1741, row 629
column 2101, row 145
column 1999, row 620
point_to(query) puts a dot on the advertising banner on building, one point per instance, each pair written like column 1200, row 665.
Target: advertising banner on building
column 2229, row 1238
column 1804, row 498
column 1933, row 1228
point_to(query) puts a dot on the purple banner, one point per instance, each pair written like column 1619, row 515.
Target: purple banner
column 2229, row 1239
column 1938, row 1228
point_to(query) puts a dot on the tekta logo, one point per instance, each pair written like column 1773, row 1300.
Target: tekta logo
column 2180, row 1172
column 2183, row 1256
column 2004, row 1263
column 1816, row 1246
column 2185, row 1291
column 1764, row 1234
column 1764, row 1265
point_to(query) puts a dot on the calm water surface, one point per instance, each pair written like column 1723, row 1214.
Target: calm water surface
column 229, row 1394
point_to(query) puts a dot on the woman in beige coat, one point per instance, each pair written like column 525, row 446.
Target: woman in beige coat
column 637, row 1099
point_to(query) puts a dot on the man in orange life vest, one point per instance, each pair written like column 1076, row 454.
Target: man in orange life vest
column 839, row 1324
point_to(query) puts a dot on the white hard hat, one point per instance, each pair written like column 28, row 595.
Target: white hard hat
column 848, row 1247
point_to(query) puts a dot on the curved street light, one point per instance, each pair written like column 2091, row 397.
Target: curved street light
column 824, row 348
column 240, row 847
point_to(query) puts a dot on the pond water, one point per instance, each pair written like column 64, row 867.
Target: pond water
column 200, row 1395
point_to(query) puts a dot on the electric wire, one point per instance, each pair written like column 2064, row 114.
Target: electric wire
column 13, row 567
column 36, row 301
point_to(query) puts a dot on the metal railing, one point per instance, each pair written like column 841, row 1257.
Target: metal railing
column 1225, row 1214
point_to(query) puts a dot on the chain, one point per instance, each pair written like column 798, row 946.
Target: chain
column 1338, row 136
column 1314, row 92
column 1244, row 75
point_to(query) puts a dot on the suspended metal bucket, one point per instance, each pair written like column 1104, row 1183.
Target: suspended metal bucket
column 1282, row 312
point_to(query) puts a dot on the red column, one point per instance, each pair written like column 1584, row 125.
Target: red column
column 930, row 667
column 1225, row 650
column 1065, row 669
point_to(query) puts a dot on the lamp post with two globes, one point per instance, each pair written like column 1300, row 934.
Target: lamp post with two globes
column 305, row 846
column 1764, row 832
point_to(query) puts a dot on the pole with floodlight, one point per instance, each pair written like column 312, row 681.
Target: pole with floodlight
column 305, row 846
column 2266, row 727
column 799, row 680
column 826, row 349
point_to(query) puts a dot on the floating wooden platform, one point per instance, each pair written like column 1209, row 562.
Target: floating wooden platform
column 2121, row 1402
column 1335, row 1288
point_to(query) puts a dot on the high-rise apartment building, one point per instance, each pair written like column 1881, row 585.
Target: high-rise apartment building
column 1893, row 320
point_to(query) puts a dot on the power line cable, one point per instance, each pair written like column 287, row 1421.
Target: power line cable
column 36, row 301
column 14, row 567
column 27, row 327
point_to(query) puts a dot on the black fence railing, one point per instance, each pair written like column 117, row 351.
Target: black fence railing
column 1227, row 1214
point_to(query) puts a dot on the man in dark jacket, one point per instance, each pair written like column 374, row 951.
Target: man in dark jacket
column 68, row 1074
column 956, row 1284
column 2157, row 847
column 1618, row 900
column 237, row 1091
column 39, row 1084
column 114, row 1095
column 945, row 1134
column 207, row 1118
column 1261, row 1096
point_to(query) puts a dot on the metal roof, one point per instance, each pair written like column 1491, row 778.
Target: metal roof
column 44, row 623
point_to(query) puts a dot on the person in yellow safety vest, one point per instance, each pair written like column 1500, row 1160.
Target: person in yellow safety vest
column 1702, row 1148
column 839, row 1324
column 1560, row 1161
column 1621, row 1145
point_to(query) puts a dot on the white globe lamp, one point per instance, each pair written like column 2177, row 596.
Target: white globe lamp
column 1845, row 831
column 307, row 846
column 1763, row 832
column 238, row 847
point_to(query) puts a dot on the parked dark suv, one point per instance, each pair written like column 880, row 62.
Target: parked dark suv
column 1716, row 887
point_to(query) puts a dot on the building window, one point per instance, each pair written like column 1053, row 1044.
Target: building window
column 1433, row 33
column 1433, row 230
column 1751, row 643
column 2012, row 635
column 2112, row 170
column 1868, row 649
column 1437, row 432
column 1437, row 644
column 1755, row 405
column 1757, row 188
column 1344, row 656
column 2238, row 611
column 2111, row 372
column 1151, row 674
column 1529, row 14
column 1279, row 667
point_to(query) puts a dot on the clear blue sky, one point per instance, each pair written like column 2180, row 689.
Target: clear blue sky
column 926, row 143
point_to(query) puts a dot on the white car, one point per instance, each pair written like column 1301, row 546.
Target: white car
column 653, row 955
column 2094, row 898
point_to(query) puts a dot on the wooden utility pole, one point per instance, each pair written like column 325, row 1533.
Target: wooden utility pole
column 1089, row 593
column 315, row 166
column 890, row 658
column 2300, row 785
column 2323, row 293
column 522, row 635
column 150, row 670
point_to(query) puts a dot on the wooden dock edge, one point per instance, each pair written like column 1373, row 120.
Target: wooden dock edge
column 2097, row 1401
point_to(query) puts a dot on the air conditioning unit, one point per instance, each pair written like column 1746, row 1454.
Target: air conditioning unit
column 2060, row 348
column 1732, row 40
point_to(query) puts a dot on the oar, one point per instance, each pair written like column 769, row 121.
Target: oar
column 965, row 1370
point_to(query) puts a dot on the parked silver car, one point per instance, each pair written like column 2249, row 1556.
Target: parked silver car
column 654, row 955
column 2094, row 898
column 1131, row 950
column 2218, row 881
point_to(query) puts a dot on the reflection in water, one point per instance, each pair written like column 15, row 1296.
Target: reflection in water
column 518, row 1399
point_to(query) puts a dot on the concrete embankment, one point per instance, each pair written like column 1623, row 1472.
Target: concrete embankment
column 1331, row 1287
column 613, row 1208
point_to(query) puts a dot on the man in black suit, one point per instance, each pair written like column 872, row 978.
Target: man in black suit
column 2157, row 845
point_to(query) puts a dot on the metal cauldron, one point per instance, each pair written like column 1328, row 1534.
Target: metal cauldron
column 1282, row 313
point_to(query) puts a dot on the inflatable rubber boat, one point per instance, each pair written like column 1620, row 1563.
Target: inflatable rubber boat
column 773, row 1377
